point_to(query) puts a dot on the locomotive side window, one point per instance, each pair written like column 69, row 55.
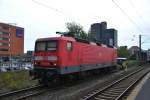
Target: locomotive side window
column 69, row 46
column 52, row 46
column 40, row 46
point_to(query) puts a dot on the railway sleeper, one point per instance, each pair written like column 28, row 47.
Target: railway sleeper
column 116, row 92
column 117, row 89
column 100, row 98
column 112, row 92
column 108, row 93
column 105, row 97
column 96, row 91
column 121, row 85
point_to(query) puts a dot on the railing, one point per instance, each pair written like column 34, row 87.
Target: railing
column 11, row 66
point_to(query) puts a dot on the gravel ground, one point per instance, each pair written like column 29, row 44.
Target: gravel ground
column 79, row 90
column 4, row 90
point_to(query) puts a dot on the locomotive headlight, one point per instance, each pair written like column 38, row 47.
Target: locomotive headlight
column 35, row 63
column 55, row 64
column 52, row 57
column 38, row 58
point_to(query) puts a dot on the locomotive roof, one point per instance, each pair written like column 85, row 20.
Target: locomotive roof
column 72, row 39
column 56, row 38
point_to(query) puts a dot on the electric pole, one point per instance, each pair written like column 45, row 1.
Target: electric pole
column 139, row 48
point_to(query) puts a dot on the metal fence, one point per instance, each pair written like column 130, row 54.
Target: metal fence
column 11, row 66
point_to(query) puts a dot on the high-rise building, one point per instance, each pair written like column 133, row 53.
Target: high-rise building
column 100, row 33
column 11, row 40
column 110, row 37
column 97, row 30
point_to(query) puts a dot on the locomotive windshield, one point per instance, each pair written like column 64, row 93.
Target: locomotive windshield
column 46, row 46
column 40, row 46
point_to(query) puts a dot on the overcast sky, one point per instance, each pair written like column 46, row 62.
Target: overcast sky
column 44, row 19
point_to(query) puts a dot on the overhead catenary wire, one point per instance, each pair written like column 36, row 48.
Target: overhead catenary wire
column 54, row 9
column 146, row 40
column 129, row 18
column 136, row 11
column 47, row 6
column 141, row 18
column 68, row 15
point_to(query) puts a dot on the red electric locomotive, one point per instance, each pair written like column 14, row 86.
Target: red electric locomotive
column 58, row 56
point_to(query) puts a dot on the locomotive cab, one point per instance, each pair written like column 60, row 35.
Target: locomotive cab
column 50, row 57
column 46, row 53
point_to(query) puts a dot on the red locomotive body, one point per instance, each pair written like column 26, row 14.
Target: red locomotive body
column 64, row 55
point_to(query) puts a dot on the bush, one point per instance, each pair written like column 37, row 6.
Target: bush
column 132, row 63
column 16, row 80
column 129, row 63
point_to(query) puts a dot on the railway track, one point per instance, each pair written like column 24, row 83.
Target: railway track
column 119, row 89
column 23, row 93
column 28, row 93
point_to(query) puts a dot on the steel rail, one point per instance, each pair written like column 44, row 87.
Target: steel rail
column 93, row 94
column 30, row 95
column 19, row 91
column 132, row 85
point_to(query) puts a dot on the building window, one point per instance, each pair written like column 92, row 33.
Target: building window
column 4, row 44
column 5, row 27
column 2, row 49
column 4, row 33
column 4, row 38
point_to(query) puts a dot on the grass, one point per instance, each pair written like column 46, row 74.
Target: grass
column 16, row 80
column 21, row 79
column 132, row 63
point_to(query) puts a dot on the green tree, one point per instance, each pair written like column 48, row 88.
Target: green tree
column 76, row 30
column 123, row 51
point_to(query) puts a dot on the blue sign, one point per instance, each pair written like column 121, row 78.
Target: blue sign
column 19, row 32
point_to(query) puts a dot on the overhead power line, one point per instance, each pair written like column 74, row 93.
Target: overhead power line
column 47, row 6
column 146, row 40
column 136, row 11
column 129, row 18
column 54, row 9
